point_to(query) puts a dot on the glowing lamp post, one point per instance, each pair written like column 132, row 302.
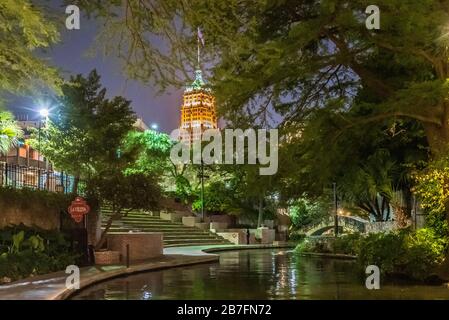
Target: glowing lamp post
column 44, row 113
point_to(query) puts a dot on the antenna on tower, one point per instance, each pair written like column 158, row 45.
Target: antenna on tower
column 200, row 40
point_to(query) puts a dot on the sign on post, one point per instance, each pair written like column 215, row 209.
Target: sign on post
column 78, row 209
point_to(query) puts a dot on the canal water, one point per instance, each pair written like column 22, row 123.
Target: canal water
column 257, row 274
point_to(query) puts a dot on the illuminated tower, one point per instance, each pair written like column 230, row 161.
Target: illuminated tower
column 198, row 110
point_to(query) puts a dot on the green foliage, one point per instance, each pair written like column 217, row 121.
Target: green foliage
column 26, row 251
column 10, row 131
column 85, row 132
column 27, row 198
column 415, row 254
column 24, row 29
column 432, row 189
column 126, row 192
column 218, row 197
column 304, row 212
column 316, row 245
column 347, row 244
column 385, row 250
column 153, row 152
column 296, row 236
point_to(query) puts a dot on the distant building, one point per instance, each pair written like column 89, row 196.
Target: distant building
column 23, row 166
column 23, row 154
column 139, row 125
column 198, row 110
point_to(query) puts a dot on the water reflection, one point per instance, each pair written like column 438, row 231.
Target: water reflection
column 257, row 274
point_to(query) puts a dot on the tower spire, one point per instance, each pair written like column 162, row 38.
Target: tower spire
column 200, row 41
column 198, row 66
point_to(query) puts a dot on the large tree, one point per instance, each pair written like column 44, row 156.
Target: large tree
column 85, row 130
column 295, row 55
column 372, row 165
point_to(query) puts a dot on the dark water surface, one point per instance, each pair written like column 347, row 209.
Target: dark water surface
column 257, row 274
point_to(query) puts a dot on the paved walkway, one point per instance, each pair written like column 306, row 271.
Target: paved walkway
column 52, row 286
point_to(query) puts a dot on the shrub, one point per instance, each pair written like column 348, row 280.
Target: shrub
column 414, row 254
column 347, row 244
column 296, row 236
column 26, row 251
column 385, row 250
column 425, row 251
column 317, row 245
column 26, row 198
column 304, row 212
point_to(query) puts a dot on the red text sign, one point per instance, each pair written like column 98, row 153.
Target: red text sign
column 78, row 209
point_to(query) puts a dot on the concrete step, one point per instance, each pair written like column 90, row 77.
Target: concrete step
column 166, row 230
column 147, row 224
column 171, row 241
column 138, row 218
column 184, row 244
column 189, row 236
column 162, row 227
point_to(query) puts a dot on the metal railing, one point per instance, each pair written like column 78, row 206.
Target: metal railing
column 16, row 176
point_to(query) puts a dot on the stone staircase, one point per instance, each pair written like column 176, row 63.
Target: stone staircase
column 175, row 233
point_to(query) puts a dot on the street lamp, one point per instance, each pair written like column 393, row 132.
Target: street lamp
column 334, row 185
column 154, row 126
column 43, row 115
column 201, row 175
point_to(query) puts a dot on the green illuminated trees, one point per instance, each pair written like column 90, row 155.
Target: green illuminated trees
column 24, row 29
column 85, row 130
column 9, row 131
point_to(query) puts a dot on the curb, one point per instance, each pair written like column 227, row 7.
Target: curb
column 328, row 255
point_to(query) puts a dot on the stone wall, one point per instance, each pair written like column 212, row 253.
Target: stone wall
column 224, row 218
column 381, row 226
column 234, row 237
column 142, row 245
column 36, row 215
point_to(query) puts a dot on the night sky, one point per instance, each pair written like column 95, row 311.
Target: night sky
column 70, row 56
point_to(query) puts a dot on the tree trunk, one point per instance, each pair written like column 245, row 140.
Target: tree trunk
column 437, row 138
column 76, row 181
column 260, row 217
column 104, row 233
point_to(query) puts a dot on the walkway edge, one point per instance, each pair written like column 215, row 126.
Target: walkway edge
column 328, row 255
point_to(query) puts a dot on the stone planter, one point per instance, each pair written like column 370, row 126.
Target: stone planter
column 216, row 226
column 107, row 257
column 202, row 225
column 173, row 216
column 190, row 221
column 266, row 235
column 142, row 245
column 234, row 237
